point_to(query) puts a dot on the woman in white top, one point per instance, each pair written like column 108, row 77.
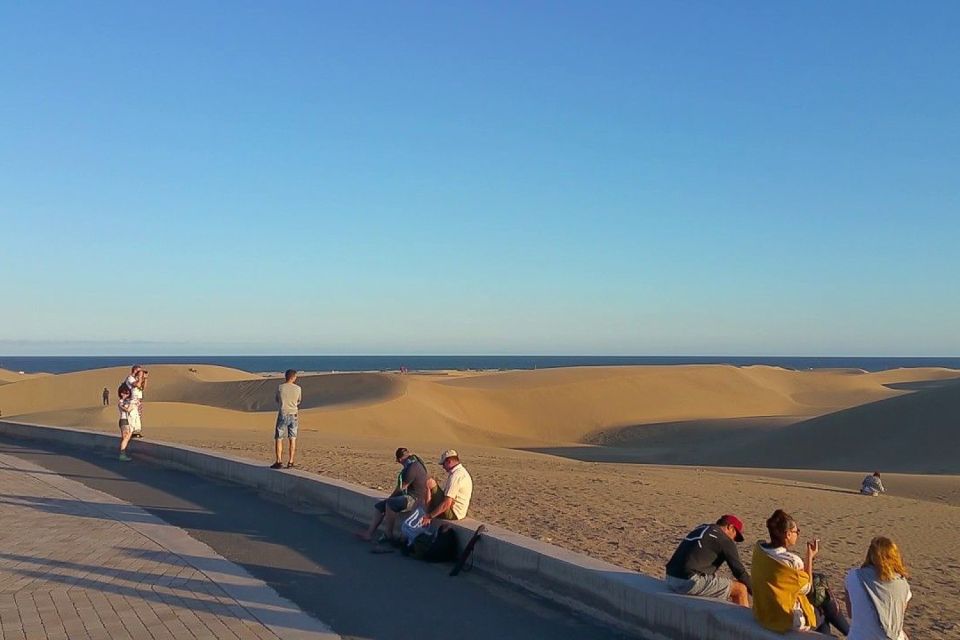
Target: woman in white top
column 878, row 593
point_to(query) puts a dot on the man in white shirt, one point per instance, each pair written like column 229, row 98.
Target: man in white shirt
column 136, row 382
column 453, row 500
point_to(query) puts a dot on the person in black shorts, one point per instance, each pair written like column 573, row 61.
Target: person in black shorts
column 411, row 490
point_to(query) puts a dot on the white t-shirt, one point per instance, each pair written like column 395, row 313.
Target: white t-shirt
column 136, row 393
column 790, row 559
column 459, row 486
column 865, row 624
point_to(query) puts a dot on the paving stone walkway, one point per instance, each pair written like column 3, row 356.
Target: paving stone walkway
column 78, row 564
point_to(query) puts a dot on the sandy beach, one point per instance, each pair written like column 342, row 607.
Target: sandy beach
column 614, row 462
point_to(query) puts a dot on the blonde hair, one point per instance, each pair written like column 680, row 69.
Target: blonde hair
column 884, row 556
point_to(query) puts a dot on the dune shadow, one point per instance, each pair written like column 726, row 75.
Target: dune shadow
column 688, row 442
column 923, row 385
column 319, row 391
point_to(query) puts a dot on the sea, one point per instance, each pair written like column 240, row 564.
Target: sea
column 269, row 364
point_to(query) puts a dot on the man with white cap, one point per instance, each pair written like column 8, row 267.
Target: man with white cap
column 453, row 500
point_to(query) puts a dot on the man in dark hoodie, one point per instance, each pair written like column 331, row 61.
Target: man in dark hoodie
column 410, row 490
column 693, row 568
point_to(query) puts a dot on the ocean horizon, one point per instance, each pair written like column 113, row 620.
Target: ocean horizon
column 314, row 363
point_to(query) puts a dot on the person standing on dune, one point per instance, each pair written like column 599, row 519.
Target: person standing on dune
column 288, row 398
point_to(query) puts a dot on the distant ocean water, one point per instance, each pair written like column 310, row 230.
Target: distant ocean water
column 258, row 364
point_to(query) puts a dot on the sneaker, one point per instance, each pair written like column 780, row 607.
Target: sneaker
column 125, row 458
column 290, row 465
column 137, row 435
column 277, row 465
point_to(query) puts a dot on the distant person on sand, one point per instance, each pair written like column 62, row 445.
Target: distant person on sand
column 878, row 593
column 136, row 382
column 410, row 491
column 692, row 569
column 782, row 582
column 288, row 398
column 452, row 501
column 871, row 485
column 125, row 406
column 106, row 396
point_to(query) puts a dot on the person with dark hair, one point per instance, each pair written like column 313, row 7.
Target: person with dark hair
column 412, row 489
column 783, row 583
column 871, row 485
column 693, row 568
column 288, row 397
column 781, row 579
column 125, row 406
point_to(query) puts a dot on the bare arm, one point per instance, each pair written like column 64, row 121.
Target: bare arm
column 446, row 504
column 813, row 548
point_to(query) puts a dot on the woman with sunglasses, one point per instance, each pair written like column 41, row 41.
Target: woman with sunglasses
column 782, row 579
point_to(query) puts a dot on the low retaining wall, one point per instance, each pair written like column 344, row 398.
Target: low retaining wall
column 639, row 604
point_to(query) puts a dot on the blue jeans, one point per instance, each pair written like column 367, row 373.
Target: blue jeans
column 286, row 426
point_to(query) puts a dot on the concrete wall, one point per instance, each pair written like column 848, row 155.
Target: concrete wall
column 639, row 604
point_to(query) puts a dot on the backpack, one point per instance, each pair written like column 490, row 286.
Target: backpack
column 439, row 546
column 819, row 592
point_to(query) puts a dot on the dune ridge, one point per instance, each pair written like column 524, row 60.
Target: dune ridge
column 689, row 414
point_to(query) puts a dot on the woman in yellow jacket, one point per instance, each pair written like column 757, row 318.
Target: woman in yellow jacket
column 781, row 580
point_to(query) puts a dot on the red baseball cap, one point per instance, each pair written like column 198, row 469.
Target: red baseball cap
column 733, row 521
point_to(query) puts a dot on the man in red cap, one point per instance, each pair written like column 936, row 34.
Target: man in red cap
column 693, row 568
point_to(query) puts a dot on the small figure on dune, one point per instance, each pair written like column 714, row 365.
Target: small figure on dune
column 106, row 396
column 871, row 485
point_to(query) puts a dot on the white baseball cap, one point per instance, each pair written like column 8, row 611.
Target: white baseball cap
column 449, row 453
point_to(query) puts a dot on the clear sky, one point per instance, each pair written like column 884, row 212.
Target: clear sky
column 489, row 177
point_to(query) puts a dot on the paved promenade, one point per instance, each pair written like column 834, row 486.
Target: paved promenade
column 78, row 564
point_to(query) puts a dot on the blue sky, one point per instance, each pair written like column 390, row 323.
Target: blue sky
column 568, row 178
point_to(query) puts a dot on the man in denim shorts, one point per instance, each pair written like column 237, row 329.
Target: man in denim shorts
column 288, row 398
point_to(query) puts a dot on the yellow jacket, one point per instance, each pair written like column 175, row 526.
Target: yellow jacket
column 776, row 590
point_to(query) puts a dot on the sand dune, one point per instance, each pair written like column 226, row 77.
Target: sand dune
column 7, row 376
column 710, row 414
column 590, row 421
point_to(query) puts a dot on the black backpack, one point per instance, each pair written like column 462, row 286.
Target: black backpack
column 440, row 546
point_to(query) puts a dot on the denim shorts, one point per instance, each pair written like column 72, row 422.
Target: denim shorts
column 397, row 504
column 286, row 426
column 701, row 585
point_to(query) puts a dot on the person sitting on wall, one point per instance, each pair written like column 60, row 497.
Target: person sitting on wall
column 693, row 568
column 411, row 490
column 453, row 500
